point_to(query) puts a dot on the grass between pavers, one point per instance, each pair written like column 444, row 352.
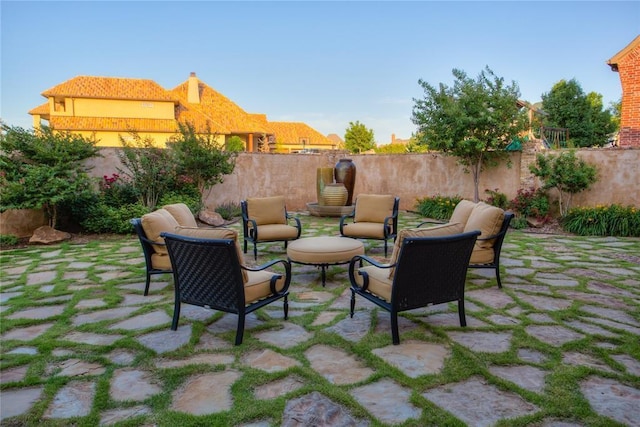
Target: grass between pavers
column 108, row 266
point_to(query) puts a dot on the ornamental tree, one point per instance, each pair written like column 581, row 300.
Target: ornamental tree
column 473, row 120
column 566, row 173
column 358, row 138
column 42, row 168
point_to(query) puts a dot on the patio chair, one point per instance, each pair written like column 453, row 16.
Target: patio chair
column 208, row 272
column 429, row 266
column 265, row 219
column 493, row 223
column 375, row 216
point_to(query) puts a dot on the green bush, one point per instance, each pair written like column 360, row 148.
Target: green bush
column 8, row 240
column 518, row 223
column 531, row 203
column 103, row 218
column 612, row 220
column 229, row 211
column 497, row 199
column 437, row 207
column 187, row 195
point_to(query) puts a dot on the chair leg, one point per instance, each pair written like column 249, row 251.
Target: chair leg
column 286, row 307
column 255, row 251
column 385, row 248
column 461, row 313
column 176, row 315
column 245, row 246
column 353, row 302
column 395, row 334
column 146, row 286
column 498, row 276
column 240, row 329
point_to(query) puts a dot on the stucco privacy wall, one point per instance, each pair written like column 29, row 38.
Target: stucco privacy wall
column 409, row 176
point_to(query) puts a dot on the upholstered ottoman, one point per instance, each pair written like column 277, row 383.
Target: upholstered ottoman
column 324, row 251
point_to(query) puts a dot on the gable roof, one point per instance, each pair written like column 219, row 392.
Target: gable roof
column 618, row 57
column 294, row 132
column 110, row 88
column 219, row 112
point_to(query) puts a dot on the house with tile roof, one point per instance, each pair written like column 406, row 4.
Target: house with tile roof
column 113, row 108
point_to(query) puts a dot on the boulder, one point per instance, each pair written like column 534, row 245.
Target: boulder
column 48, row 235
column 211, row 217
column 21, row 222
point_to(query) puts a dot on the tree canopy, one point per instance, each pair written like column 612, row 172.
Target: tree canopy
column 358, row 138
column 567, row 106
column 473, row 120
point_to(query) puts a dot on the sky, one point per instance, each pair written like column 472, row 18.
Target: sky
column 324, row 63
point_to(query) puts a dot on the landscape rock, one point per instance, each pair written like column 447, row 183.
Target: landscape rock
column 48, row 235
column 210, row 217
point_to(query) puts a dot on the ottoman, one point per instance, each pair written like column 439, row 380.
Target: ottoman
column 324, row 251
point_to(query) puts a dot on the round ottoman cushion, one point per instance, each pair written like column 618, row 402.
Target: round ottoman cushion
column 324, row 250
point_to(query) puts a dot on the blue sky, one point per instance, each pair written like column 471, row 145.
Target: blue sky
column 324, row 63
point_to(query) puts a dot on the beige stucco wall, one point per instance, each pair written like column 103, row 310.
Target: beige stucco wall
column 409, row 176
column 87, row 107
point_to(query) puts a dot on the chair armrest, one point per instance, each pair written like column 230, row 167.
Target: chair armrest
column 388, row 225
column 493, row 236
column 297, row 221
column 344, row 218
column 358, row 259
column 431, row 222
column 152, row 242
column 287, row 269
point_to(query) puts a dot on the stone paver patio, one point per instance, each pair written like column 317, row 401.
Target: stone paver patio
column 569, row 311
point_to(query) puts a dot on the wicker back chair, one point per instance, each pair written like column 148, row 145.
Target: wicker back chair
column 208, row 273
column 429, row 270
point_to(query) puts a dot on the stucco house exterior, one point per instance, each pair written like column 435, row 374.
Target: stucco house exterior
column 112, row 108
column 627, row 64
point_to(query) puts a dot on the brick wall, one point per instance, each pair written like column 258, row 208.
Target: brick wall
column 629, row 70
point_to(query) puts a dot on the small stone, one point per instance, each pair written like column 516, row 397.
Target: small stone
column 48, row 235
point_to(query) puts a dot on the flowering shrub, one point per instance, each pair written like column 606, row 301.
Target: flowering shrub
column 497, row 199
column 531, row 203
column 437, row 207
column 612, row 220
column 117, row 191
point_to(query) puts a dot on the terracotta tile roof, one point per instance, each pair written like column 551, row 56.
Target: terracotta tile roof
column 42, row 110
column 216, row 108
column 292, row 132
column 110, row 88
column 112, row 124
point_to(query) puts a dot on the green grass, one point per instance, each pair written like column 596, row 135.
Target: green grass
column 561, row 397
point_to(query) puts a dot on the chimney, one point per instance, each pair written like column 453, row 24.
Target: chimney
column 193, row 92
column 393, row 138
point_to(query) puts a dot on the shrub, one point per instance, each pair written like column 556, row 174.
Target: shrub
column 188, row 195
column 117, row 191
column 8, row 240
column 112, row 219
column 497, row 199
column 531, row 203
column 229, row 211
column 612, row 220
column 437, row 207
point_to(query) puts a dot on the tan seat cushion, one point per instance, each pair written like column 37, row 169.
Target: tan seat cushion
column 481, row 255
column 267, row 210
column 486, row 218
column 215, row 233
column 182, row 214
column 379, row 282
column 258, row 285
column 155, row 223
column 160, row 261
column 372, row 230
column 268, row 232
column 324, row 250
column 437, row 231
column 462, row 211
column 373, row 207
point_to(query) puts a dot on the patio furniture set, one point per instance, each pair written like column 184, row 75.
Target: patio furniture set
column 428, row 265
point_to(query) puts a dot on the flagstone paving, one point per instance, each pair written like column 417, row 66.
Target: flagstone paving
column 569, row 310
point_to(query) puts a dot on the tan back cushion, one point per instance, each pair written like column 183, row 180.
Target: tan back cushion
column 462, row 211
column 373, row 207
column 215, row 233
column 267, row 210
column 155, row 223
column 486, row 218
column 182, row 214
column 437, row 231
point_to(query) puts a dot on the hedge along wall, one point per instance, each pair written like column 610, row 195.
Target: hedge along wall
column 409, row 176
